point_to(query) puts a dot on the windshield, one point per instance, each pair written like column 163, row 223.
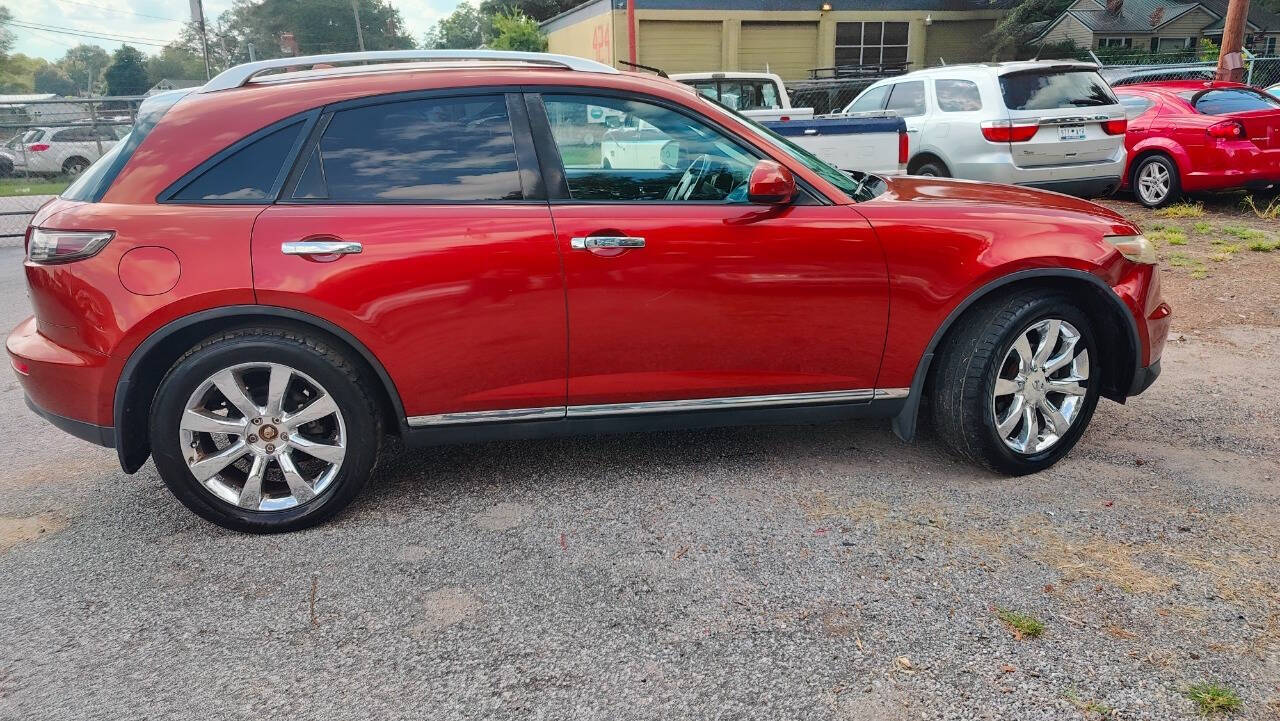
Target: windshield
column 858, row 190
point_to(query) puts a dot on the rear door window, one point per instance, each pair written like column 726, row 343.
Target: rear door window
column 957, row 96
column 250, row 174
column 435, row 150
column 907, row 98
column 1055, row 90
column 1230, row 100
column 873, row 99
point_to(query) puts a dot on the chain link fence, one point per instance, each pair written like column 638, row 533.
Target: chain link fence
column 45, row 142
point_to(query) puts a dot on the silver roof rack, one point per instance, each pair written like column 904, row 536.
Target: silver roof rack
column 241, row 74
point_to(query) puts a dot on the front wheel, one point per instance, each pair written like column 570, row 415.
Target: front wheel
column 264, row 430
column 1016, row 384
column 1155, row 181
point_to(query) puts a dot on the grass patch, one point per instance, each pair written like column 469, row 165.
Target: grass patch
column 1181, row 260
column 1200, row 272
column 32, row 186
column 1212, row 698
column 1271, row 211
column 1023, row 625
column 1201, row 227
column 1221, row 256
column 1243, row 233
column 1087, row 707
column 1264, row 246
column 1163, row 234
column 1182, row 210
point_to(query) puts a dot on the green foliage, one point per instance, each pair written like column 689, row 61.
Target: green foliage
column 1010, row 35
column 1023, row 625
column 1212, row 698
column 85, row 64
column 464, row 29
column 1208, row 50
column 17, row 73
column 512, row 30
column 127, row 74
column 539, row 10
column 6, row 37
column 52, row 79
column 174, row 63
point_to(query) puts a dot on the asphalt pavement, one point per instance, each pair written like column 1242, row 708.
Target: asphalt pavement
column 810, row 572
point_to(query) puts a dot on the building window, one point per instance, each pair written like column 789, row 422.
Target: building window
column 1115, row 42
column 1271, row 46
column 871, row 43
column 1172, row 45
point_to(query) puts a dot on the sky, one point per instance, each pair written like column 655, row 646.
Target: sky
column 156, row 21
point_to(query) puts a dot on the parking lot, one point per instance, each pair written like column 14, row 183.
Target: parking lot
column 772, row 573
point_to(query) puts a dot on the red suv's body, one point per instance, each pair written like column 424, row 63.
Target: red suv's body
column 1218, row 135
column 472, row 320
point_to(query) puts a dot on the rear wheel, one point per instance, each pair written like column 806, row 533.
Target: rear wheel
column 75, row 166
column 264, row 430
column 932, row 168
column 1016, row 383
column 1155, row 181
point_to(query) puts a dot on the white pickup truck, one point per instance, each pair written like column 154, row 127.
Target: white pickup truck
column 759, row 96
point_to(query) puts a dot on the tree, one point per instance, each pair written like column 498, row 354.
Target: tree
column 539, row 10
column 176, row 63
column 51, row 79
column 1010, row 34
column 17, row 73
column 6, row 38
column 127, row 74
column 84, row 64
column 465, row 28
column 513, row 30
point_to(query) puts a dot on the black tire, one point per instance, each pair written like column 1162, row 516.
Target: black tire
column 75, row 166
column 964, row 374
column 1174, row 193
column 330, row 368
column 932, row 168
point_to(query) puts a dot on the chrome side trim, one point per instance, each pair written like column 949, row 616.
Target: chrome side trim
column 509, row 414
column 692, row 404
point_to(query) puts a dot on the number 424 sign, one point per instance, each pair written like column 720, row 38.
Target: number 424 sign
column 601, row 43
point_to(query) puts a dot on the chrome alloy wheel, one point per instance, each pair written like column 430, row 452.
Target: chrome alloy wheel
column 1040, row 387
column 1154, row 183
column 263, row 436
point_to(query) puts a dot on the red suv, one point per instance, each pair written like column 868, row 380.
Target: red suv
column 275, row 271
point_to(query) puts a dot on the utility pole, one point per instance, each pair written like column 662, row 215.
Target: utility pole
column 253, row 55
column 355, row 8
column 197, row 16
column 1230, row 59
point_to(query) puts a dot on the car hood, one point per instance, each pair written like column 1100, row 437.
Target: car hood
column 948, row 191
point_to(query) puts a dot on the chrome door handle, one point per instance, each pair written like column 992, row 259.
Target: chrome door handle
column 606, row 241
column 320, row 247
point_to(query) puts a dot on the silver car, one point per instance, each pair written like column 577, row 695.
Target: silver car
column 1047, row 124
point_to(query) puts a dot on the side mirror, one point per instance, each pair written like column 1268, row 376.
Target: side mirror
column 770, row 183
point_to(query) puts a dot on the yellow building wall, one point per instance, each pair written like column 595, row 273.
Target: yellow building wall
column 680, row 46
column 788, row 49
column 594, row 38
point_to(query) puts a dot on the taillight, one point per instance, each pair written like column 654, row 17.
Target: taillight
column 1004, row 131
column 20, row 366
column 785, row 119
column 1115, row 127
column 1227, row 130
column 37, row 147
column 64, row 246
column 904, row 147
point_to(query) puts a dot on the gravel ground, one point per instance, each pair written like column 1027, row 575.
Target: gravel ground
column 767, row 573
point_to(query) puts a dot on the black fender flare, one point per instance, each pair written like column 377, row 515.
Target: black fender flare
column 904, row 424
column 130, row 462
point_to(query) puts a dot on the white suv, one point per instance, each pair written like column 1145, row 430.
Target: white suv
column 1048, row 124
column 67, row 150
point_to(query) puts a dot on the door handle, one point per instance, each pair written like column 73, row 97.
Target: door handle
column 321, row 247
column 606, row 241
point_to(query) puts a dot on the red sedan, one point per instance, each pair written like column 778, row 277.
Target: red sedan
column 275, row 271
column 1187, row 136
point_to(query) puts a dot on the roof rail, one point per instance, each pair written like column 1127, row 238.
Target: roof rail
column 241, row 74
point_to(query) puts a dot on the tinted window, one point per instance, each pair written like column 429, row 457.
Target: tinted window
column 873, row 99
column 1135, row 105
column 71, row 135
column 907, row 99
column 623, row 150
column 1231, row 100
column 957, row 96
column 446, row 149
column 1050, row 91
column 249, row 174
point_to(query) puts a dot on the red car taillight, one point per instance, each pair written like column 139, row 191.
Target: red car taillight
column 37, row 147
column 904, row 148
column 1115, row 127
column 64, row 246
column 1226, row 130
column 1004, row 131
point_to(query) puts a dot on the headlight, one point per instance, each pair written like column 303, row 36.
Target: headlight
column 1135, row 247
column 64, row 246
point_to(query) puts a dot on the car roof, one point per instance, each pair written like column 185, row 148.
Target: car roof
column 996, row 69
column 1174, row 87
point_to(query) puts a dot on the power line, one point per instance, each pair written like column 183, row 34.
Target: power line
column 123, row 12
column 84, row 34
column 109, row 33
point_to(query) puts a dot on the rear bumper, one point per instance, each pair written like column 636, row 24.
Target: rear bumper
column 101, row 435
column 1143, row 379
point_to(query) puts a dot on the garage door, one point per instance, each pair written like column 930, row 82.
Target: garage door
column 680, row 47
column 788, row 49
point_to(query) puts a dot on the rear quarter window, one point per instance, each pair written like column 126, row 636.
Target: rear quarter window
column 1229, row 100
column 957, row 96
column 251, row 173
column 1055, row 90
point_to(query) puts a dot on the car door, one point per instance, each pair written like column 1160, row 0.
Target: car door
column 417, row 226
column 907, row 100
column 693, row 292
